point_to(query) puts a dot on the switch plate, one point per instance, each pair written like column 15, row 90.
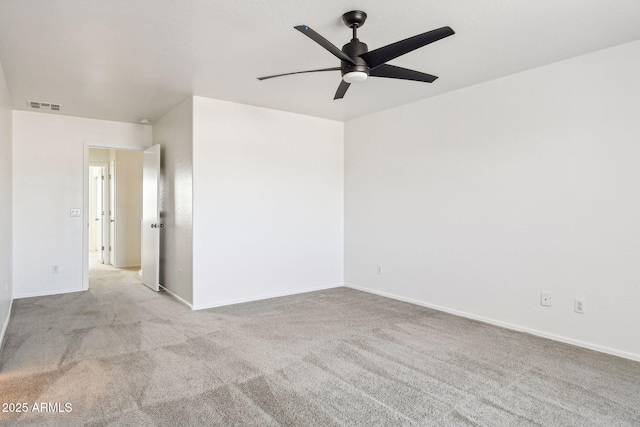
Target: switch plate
column 75, row 212
column 545, row 299
column 379, row 270
column 54, row 269
column 578, row 305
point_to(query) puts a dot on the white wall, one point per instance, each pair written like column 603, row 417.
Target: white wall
column 128, row 208
column 48, row 171
column 478, row 200
column 6, row 118
column 99, row 155
column 268, row 203
column 174, row 133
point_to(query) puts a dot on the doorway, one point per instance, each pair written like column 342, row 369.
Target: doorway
column 113, row 194
column 115, row 211
column 131, row 220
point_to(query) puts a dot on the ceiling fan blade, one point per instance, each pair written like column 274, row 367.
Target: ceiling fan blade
column 324, row 43
column 300, row 72
column 393, row 72
column 381, row 55
column 342, row 89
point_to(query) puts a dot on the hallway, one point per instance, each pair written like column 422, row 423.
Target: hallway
column 103, row 276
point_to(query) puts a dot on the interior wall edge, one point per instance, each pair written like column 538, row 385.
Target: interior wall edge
column 263, row 297
column 45, row 294
column 506, row 325
column 6, row 324
column 183, row 301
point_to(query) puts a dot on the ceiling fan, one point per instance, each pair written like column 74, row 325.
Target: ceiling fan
column 358, row 63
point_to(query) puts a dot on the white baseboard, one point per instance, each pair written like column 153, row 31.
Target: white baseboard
column 536, row 332
column 47, row 293
column 127, row 266
column 177, row 297
column 6, row 324
column 265, row 296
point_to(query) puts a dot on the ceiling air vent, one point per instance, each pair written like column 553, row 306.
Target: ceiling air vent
column 38, row 105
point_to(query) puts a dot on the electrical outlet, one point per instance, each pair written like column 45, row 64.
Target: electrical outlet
column 75, row 212
column 545, row 299
column 379, row 270
column 54, row 269
column 578, row 305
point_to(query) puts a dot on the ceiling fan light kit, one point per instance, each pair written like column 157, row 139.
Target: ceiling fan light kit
column 355, row 76
column 357, row 63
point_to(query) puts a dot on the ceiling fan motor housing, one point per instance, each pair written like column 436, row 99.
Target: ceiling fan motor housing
column 354, row 49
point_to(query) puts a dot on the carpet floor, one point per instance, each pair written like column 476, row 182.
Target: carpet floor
column 121, row 354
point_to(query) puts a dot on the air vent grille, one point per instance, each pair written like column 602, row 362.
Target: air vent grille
column 38, row 105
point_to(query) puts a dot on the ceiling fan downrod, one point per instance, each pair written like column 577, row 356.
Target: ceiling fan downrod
column 359, row 70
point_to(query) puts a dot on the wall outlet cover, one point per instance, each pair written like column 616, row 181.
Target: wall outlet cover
column 545, row 299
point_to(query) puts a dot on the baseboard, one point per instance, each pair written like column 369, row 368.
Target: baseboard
column 514, row 327
column 44, row 294
column 265, row 296
column 6, row 324
column 177, row 297
column 127, row 266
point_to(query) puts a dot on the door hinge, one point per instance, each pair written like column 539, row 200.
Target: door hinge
column 103, row 177
column 109, row 248
column 103, row 248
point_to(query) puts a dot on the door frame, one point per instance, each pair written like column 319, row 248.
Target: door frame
column 104, row 168
column 111, row 173
column 85, row 199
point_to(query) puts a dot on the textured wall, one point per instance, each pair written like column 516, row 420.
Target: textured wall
column 478, row 200
column 128, row 208
column 6, row 116
column 174, row 134
column 48, row 174
column 268, row 203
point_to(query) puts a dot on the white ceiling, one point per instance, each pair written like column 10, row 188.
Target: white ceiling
column 128, row 59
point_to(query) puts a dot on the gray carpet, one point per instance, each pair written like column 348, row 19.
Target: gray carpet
column 121, row 354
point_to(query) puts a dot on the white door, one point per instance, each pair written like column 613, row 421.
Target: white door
column 99, row 216
column 112, row 213
column 151, row 225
